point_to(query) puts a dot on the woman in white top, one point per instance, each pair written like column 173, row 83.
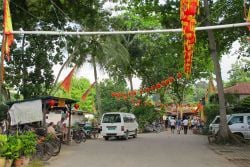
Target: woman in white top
column 172, row 124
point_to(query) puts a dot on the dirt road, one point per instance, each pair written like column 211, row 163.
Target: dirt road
column 148, row 150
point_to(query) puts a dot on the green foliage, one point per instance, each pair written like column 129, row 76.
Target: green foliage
column 230, row 14
column 3, row 144
column 200, row 89
column 146, row 115
column 29, row 141
column 243, row 106
column 14, row 146
column 109, row 103
column 78, row 87
column 211, row 111
column 239, row 72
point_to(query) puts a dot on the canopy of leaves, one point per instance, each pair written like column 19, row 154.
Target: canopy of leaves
column 243, row 106
column 239, row 72
column 109, row 103
column 78, row 87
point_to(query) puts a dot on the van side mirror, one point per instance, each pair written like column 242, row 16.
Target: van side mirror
column 229, row 123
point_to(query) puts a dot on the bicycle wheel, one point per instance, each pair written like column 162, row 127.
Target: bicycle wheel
column 84, row 137
column 48, row 148
column 78, row 137
column 41, row 154
column 56, row 144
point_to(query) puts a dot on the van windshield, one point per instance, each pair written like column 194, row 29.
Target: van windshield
column 217, row 121
column 111, row 118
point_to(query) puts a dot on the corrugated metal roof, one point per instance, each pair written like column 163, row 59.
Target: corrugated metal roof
column 240, row 88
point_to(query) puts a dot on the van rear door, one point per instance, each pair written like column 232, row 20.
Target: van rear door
column 111, row 123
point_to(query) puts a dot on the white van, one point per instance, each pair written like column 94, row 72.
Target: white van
column 118, row 124
column 214, row 126
column 240, row 124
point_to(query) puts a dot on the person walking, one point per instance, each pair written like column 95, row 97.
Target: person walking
column 185, row 125
column 178, row 125
column 172, row 124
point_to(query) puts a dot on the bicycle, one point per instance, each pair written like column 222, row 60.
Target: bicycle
column 47, row 145
column 79, row 136
column 55, row 143
column 44, row 150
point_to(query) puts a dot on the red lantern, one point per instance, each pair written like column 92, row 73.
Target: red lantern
column 167, row 82
column 163, row 83
column 113, row 94
column 134, row 93
column 125, row 96
column 171, row 79
column 179, row 75
column 158, row 86
column 51, row 103
column 76, row 106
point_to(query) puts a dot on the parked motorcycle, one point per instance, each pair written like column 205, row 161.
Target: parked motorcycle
column 89, row 130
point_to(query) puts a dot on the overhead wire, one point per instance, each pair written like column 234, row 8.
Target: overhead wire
column 54, row 4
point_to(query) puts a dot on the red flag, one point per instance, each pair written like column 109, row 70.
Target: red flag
column 86, row 93
column 8, row 36
column 66, row 84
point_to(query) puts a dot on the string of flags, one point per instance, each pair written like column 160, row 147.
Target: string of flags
column 162, row 84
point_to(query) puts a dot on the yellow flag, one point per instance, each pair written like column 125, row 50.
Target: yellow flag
column 7, row 23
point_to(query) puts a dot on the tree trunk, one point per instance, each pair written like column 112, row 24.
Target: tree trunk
column 54, row 88
column 223, row 132
column 130, row 82
column 98, row 96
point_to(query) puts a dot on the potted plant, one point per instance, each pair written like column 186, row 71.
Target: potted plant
column 12, row 152
column 3, row 148
column 28, row 146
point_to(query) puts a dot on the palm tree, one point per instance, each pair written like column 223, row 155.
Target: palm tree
column 101, row 50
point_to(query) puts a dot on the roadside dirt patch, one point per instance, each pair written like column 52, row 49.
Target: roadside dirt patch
column 240, row 156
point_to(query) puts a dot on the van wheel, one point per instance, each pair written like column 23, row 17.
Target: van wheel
column 106, row 137
column 239, row 135
column 135, row 135
column 126, row 136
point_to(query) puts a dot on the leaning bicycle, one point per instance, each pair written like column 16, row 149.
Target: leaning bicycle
column 79, row 135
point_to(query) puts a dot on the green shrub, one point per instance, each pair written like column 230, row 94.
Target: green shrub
column 211, row 111
column 146, row 115
column 14, row 146
column 243, row 106
column 29, row 141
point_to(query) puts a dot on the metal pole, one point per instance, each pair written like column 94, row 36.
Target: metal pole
column 129, row 32
column 44, row 109
column 69, row 129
